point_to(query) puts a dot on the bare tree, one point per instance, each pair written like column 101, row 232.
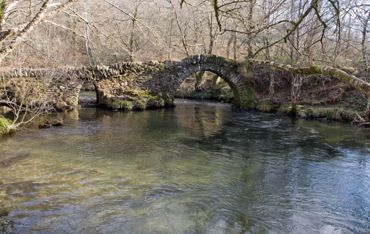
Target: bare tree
column 327, row 32
column 365, row 29
column 12, row 37
column 25, row 99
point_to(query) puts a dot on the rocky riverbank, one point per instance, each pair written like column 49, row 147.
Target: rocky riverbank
column 349, row 106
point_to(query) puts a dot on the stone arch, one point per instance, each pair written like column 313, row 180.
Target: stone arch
column 90, row 86
column 224, row 68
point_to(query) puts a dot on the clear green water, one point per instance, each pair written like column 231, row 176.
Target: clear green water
column 198, row 168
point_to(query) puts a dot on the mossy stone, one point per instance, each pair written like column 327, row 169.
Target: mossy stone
column 120, row 105
column 247, row 99
column 139, row 105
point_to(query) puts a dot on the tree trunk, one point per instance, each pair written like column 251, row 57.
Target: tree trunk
column 24, row 32
column 198, row 81
column 212, row 38
column 363, row 41
column 20, row 36
column 295, row 92
column 272, row 86
column 250, row 28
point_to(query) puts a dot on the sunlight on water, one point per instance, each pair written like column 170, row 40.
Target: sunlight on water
column 198, row 168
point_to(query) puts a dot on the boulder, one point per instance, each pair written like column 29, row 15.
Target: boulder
column 49, row 124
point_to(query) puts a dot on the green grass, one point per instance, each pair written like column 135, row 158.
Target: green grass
column 4, row 125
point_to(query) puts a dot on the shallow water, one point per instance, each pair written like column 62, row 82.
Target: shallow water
column 198, row 168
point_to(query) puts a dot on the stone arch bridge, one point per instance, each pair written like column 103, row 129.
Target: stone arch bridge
column 153, row 84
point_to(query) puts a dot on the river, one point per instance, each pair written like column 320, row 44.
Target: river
column 197, row 168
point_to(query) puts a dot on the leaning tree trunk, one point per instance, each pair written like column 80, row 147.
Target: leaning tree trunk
column 363, row 42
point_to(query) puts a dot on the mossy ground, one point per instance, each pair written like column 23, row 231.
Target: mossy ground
column 335, row 113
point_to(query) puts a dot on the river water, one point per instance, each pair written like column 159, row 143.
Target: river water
column 197, row 168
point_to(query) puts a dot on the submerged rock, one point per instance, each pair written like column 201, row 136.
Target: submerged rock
column 49, row 124
column 13, row 159
column 58, row 123
column 3, row 212
column 6, row 225
column 365, row 125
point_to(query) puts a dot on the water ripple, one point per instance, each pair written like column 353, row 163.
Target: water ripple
column 194, row 169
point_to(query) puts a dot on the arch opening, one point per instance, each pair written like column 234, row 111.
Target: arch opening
column 88, row 95
column 206, row 85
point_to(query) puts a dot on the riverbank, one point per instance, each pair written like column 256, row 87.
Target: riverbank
column 220, row 93
column 319, row 113
column 346, row 111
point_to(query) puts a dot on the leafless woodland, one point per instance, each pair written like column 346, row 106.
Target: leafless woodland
column 51, row 33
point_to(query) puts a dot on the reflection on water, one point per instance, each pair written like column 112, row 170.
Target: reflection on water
column 198, row 168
